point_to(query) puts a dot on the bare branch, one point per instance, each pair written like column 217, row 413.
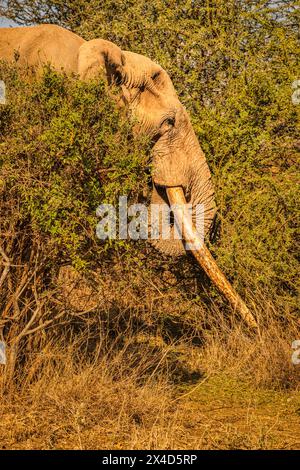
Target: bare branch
column 6, row 266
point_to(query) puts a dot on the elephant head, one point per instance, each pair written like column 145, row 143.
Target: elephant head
column 177, row 158
column 180, row 171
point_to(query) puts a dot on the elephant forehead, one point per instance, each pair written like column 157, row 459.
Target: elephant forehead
column 141, row 62
column 142, row 65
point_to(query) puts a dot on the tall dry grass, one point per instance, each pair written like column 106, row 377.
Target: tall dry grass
column 116, row 373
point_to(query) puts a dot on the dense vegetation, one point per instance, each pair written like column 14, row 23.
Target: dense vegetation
column 65, row 148
column 233, row 67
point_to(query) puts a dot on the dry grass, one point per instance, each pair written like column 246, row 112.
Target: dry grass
column 103, row 380
column 85, row 406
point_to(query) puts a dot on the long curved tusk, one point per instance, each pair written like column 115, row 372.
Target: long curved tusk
column 203, row 256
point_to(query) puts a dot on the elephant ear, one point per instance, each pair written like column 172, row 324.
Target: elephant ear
column 99, row 56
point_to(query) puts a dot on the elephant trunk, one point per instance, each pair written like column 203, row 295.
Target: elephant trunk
column 203, row 256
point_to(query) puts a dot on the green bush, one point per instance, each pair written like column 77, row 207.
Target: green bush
column 65, row 149
column 233, row 64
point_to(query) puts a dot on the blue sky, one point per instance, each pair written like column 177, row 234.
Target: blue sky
column 4, row 22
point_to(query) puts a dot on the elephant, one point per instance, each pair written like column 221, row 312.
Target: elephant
column 180, row 171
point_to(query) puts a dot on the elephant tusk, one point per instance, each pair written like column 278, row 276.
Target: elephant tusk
column 203, row 256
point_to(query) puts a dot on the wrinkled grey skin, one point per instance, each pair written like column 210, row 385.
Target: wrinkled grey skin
column 146, row 90
column 178, row 159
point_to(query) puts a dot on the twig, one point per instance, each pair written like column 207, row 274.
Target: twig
column 43, row 325
column 26, row 328
column 6, row 266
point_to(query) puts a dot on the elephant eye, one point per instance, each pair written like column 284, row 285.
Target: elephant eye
column 170, row 122
column 167, row 125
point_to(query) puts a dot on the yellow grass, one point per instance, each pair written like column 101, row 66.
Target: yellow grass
column 141, row 391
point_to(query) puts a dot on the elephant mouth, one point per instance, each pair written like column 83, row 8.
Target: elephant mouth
column 162, row 190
